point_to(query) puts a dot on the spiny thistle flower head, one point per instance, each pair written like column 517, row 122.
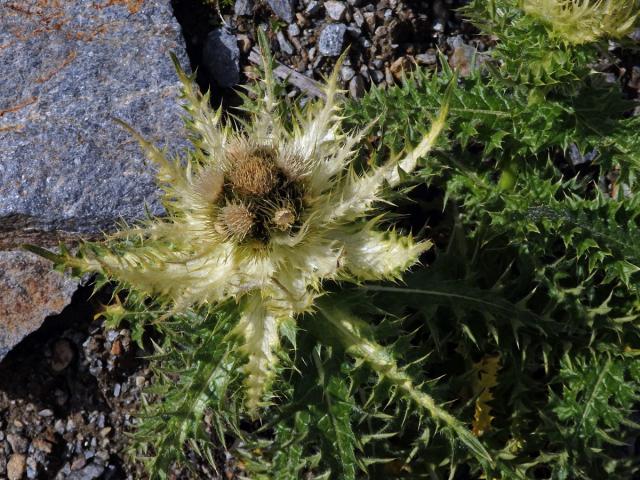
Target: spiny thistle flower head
column 262, row 214
column 584, row 21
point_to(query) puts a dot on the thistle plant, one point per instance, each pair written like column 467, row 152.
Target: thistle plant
column 262, row 216
column 266, row 210
column 295, row 314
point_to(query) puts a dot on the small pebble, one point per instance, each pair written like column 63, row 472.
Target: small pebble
column 16, row 466
column 32, row 467
column 285, row 46
column 46, row 413
column 293, row 30
column 331, row 41
column 116, row 348
column 78, row 463
column 243, row 8
column 358, row 18
column 377, row 76
column 356, row 87
column 283, row 8
column 353, row 30
column 335, row 10
column 399, row 67
column 347, row 73
column 59, row 427
column 426, row 58
column 312, row 8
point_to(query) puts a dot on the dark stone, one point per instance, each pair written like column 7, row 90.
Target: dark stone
column 285, row 9
column 66, row 168
column 221, row 57
column 331, row 41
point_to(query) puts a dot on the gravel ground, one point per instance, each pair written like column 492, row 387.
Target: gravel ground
column 383, row 38
column 69, row 392
column 66, row 395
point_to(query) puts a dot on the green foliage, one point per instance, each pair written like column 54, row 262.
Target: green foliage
column 542, row 262
column 196, row 377
column 504, row 123
column 590, row 388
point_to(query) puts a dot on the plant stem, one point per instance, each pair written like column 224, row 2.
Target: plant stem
column 349, row 330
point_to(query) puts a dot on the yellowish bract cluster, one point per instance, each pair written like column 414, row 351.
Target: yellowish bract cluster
column 583, row 21
column 262, row 214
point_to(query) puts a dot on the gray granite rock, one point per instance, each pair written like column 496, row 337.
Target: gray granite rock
column 285, row 9
column 221, row 57
column 331, row 41
column 66, row 169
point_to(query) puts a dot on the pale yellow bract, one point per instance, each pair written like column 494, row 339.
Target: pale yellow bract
column 583, row 21
column 263, row 214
